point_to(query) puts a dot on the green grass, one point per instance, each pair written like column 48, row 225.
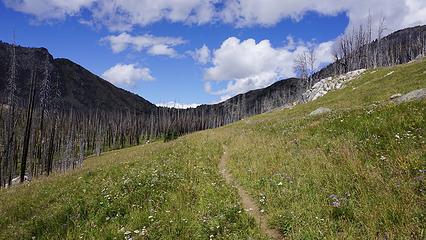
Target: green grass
column 368, row 153
column 172, row 190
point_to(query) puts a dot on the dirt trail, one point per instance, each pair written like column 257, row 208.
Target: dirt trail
column 246, row 200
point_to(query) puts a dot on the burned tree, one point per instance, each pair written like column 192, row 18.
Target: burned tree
column 9, row 124
column 28, row 124
column 304, row 65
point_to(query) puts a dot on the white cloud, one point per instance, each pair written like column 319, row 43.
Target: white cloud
column 124, row 15
column 49, row 9
column 120, row 15
column 247, row 65
column 122, row 74
column 173, row 104
column 201, row 55
column 162, row 49
column 324, row 53
column 154, row 45
column 398, row 13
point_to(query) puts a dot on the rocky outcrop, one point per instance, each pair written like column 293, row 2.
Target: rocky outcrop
column 320, row 111
column 326, row 85
column 415, row 95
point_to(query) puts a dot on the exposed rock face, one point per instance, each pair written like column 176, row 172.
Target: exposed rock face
column 329, row 84
column 320, row 111
column 418, row 94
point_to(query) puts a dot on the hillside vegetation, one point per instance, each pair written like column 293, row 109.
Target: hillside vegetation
column 356, row 173
column 56, row 101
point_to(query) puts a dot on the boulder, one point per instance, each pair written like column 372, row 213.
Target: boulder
column 418, row 94
column 395, row 96
column 17, row 180
column 320, row 111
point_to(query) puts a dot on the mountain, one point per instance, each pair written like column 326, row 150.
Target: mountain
column 78, row 88
column 82, row 90
column 279, row 94
column 355, row 173
column 396, row 48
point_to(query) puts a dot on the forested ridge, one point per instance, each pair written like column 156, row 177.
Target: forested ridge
column 54, row 112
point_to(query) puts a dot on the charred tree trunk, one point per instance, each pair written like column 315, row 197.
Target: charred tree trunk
column 27, row 133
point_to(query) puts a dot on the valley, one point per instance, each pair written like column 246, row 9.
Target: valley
column 357, row 171
column 212, row 119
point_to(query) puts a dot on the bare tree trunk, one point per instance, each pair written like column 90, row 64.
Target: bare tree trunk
column 28, row 126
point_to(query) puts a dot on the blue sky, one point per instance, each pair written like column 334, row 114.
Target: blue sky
column 152, row 50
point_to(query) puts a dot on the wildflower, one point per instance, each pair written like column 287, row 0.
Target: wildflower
column 336, row 201
column 280, row 183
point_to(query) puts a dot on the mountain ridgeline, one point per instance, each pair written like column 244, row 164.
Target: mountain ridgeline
column 354, row 51
column 74, row 89
column 78, row 88
column 54, row 112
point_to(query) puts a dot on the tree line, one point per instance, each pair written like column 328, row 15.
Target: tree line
column 364, row 46
column 38, row 135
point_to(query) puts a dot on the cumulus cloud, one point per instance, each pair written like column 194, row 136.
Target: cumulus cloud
column 127, row 74
column 201, row 55
column 124, row 15
column 162, row 49
column 247, row 65
column 398, row 13
column 49, row 9
column 120, row 15
column 154, row 45
column 173, row 104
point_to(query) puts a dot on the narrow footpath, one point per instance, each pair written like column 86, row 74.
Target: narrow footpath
column 246, row 200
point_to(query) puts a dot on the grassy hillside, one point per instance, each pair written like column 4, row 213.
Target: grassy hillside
column 355, row 173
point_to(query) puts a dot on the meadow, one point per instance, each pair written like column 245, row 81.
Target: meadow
column 355, row 173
